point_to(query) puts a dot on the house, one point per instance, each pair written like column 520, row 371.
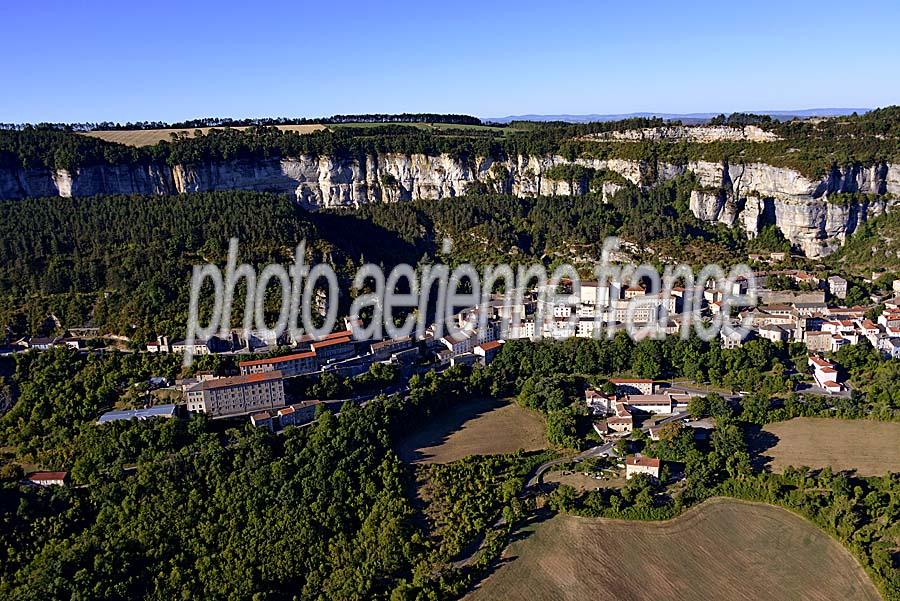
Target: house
column 599, row 403
column 40, row 343
column 47, row 478
column 262, row 420
column 202, row 346
column 837, row 286
column 406, row 356
column 622, row 421
column 890, row 347
column 817, row 341
column 825, row 374
column 304, row 411
column 731, row 338
column 810, row 309
column 638, row 464
column 161, row 345
column 633, row 386
column 773, row 333
column 488, row 350
column 459, row 342
column 622, row 425
column 75, row 343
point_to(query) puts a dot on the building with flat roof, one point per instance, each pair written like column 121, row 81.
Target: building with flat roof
column 164, row 411
column 237, row 395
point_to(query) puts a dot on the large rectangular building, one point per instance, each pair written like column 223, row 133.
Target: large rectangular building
column 295, row 364
column 237, row 395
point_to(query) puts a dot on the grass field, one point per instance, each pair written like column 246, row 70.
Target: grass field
column 725, row 550
column 147, row 137
column 582, row 483
column 152, row 136
column 482, row 427
column 871, row 448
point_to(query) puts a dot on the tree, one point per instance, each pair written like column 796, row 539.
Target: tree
column 562, row 498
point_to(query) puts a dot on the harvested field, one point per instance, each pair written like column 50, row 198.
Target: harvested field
column 147, row 137
column 725, row 550
column 481, row 427
column 869, row 447
column 582, row 483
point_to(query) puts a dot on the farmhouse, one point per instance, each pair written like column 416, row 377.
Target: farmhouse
column 638, row 464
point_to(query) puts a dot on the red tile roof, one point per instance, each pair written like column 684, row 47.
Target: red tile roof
column 489, row 346
column 276, row 360
column 642, row 461
column 46, row 476
column 238, row 380
column 333, row 335
column 330, row 342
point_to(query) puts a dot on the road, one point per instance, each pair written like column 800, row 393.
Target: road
column 598, row 451
column 592, row 452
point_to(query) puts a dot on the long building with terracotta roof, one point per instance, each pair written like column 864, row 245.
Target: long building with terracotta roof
column 294, row 364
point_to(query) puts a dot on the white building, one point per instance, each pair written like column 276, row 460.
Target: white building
column 837, row 286
column 638, row 464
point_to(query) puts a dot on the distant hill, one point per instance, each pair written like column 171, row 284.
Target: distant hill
column 689, row 118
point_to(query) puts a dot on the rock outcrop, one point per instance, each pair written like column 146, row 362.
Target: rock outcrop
column 748, row 196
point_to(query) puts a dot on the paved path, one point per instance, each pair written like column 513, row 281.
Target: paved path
column 592, row 452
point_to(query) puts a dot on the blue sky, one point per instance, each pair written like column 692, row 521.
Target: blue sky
column 92, row 61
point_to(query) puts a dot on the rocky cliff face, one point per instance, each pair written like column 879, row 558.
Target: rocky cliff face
column 747, row 196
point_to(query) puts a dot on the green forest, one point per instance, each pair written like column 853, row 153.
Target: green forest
column 202, row 509
column 123, row 263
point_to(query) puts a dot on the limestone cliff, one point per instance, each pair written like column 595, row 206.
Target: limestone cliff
column 747, row 196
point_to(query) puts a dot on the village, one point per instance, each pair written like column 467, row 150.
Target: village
column 813, row 316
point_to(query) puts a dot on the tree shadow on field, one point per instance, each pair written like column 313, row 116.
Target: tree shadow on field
column 524, row 530
column 759, row 442
column 441, row 426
